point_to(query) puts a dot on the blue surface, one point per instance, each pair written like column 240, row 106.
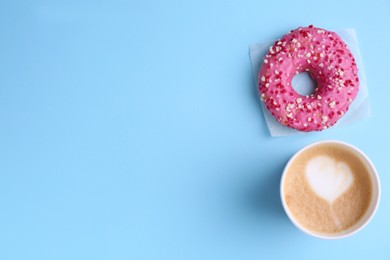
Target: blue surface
column 132, row 130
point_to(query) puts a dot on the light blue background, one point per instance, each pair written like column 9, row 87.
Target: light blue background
column 132, row 130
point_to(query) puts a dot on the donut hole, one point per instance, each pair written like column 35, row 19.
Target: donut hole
column 304, row 84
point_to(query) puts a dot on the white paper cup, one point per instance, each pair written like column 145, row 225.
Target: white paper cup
column 368, row 215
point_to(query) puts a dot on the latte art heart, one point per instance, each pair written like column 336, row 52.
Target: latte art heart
column 328, row 178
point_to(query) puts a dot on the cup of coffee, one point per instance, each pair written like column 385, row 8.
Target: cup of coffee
column 330, row 189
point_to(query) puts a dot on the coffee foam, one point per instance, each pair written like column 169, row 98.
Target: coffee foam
column 327, row 204
column 328, row 177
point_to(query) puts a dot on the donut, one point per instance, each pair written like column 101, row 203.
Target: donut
column 325, row 56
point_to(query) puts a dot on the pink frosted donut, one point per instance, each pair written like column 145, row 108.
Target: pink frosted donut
column 326, row 57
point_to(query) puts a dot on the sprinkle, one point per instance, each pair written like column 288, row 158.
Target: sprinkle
column 265, row 61
column 289, row 107
column 349, row 100
column 304, row 124
column 266, row 85
column 294, row 40
column 321, row 65
column 308, row 54
column 289, row 115
column 279, row 42
column 263, row 78
column 299, row 100
column 309, row 119
column 332, row 104
column 319, row 97
column 322, row 55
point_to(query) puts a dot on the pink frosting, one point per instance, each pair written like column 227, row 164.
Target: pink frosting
column 327, row 58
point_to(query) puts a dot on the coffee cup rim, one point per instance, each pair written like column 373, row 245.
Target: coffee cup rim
column 375, row 201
